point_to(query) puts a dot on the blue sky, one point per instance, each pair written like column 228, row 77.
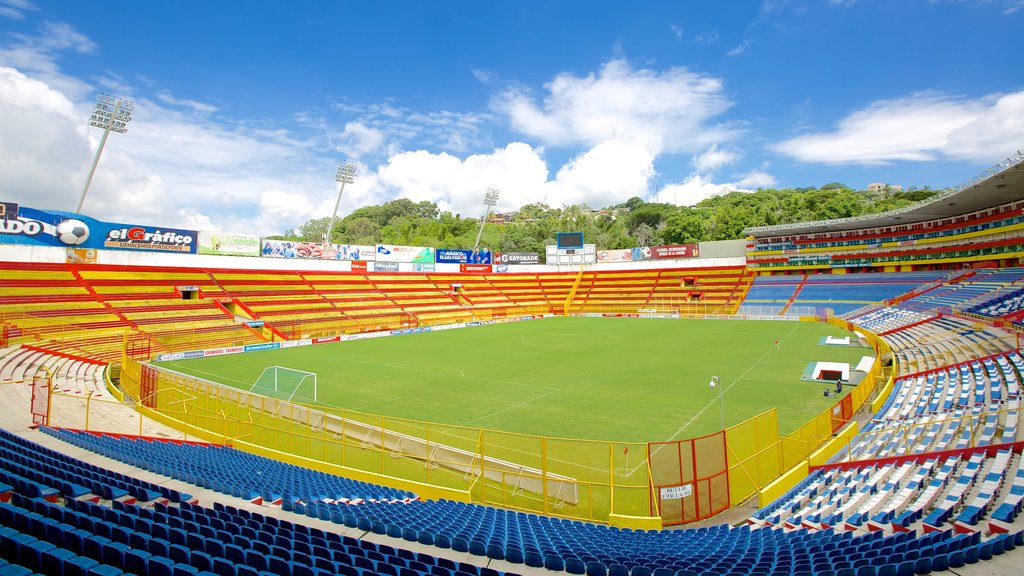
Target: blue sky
column 244, row 109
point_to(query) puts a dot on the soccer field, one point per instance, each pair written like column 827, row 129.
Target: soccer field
column 620, row 379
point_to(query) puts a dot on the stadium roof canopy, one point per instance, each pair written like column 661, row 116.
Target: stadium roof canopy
column 1000, row 184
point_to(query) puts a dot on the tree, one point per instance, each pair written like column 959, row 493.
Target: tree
column 644, row 235
column 686, row 226
column 834, row 186
column 534, row 226
column 361, row 231
column 634, row 203
column 313, row 230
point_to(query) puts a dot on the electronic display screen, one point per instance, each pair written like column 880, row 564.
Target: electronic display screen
column 569, row 239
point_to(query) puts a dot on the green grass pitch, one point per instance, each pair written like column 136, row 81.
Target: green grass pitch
column 619, row 379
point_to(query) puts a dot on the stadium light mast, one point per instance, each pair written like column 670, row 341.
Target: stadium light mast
column 716, row 382
column 113, row 115
column 490, row 200
column 346, row 175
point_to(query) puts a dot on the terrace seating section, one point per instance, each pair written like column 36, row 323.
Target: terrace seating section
column 524, row 290
column 942, row 341
column 358, row 306
column 203, row 535
column 842, row 293
column 47, row 473
column 1006, row 304
column 281, row 298
column 152, row 303
column 83, row 537
column 957, row 405
column 714, row 290
column 47, row 306
column 990, row 233
column 230, row 471
column 974, row 403
column 429, row 299
column 966, row 291
column 888, row 318
column 69, row 376
column 928, row 493
column 847, row 292
column 88, row 311
column 476, row 293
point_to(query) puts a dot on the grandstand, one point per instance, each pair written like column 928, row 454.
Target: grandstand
column 927, row 476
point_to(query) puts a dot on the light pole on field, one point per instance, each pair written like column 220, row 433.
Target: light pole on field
column 113, row 115
column 490, row 200
column 346, row 175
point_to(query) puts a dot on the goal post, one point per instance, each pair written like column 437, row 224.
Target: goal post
column 286, row 383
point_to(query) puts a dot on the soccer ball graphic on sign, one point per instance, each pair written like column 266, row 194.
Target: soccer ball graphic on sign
column 72, row 232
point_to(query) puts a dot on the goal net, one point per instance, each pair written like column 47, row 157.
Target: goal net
column 286, row 383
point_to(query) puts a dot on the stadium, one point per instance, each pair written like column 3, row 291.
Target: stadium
column 832, row 397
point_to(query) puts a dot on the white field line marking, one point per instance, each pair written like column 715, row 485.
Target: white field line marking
column 715, row 400
column 507, row 408
column 434, row 371
column 446, row 430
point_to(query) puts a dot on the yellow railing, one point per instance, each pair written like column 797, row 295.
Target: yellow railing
column 758, row 454
column 572, row 291
column 581, row 479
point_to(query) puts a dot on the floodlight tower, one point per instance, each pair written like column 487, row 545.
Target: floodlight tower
column 346, row 175
column 716, row 382
column 490, row 200
column 113, row 115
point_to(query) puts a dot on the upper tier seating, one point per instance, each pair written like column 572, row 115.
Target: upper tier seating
column 842, row 293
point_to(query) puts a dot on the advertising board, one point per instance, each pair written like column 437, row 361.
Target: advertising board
column 24, row 225
column 228, row 243
column 392, row 253
column 451, row 256
column 517, row 258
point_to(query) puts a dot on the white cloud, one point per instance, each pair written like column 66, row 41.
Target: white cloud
column 42, row 143
column 667, row 111
column 677, row 31
column 608, row 173
column 921, row 127
column 194, row 105
column 37, row 56
column 714, row 158
column 756, row 179
column 400, row 128
column 518, row 170
column 740, row 49
column 15, row 9
column 706, row 37
column 692, row 190
column 358, row 140
column 697, row 187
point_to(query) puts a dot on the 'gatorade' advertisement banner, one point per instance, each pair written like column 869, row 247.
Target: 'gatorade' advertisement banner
column 390, row 253
column 228, row 244
column 517, row 258
column 29, row 226
column 450, row 256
